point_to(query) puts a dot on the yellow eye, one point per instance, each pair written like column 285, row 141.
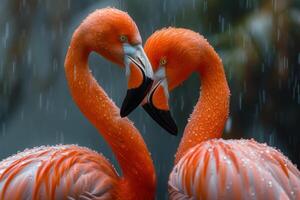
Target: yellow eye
column 123, row 38
column 163, row 61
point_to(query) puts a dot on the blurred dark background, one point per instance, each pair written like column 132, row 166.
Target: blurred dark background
column 259, row 42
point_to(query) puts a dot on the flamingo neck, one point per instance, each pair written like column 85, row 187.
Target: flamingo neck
column 121, row 135
column 211, row 111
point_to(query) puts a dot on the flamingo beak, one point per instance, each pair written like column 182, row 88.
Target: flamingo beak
column 156, row 104
column 139, row 75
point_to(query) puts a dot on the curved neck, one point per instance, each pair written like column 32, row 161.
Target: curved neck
column 120, row 133
column 211, row 111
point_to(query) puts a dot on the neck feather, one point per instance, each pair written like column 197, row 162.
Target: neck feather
column 211, row 111
column 120, row 133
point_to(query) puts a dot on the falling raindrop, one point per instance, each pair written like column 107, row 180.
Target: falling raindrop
column 62, row 138
column 69, row 4
column 47, row 104
column 165, row 6
column 6, row 34
column 181, row 103
column 55, row 65
column 29, row 56
column 205, row 6
column 263, row 96
column 278, row 34
column 144, row 129
column 14, row 66
column 271, row 139
column 40, row 101
column 222, row 23
column 228, row 125
column 274, row 3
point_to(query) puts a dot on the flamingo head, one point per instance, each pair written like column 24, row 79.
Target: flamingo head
column 114, row 35
column 172, row 53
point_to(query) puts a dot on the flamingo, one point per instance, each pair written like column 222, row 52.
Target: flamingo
column 207, row 167
column 74, row 172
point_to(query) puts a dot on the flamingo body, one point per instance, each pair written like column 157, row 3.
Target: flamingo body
column 207, row 167
column 72, row 172
column 234, row 169
column 57, row 172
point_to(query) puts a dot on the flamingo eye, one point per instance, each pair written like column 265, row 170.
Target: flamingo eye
column 123, row 38
column 163, row 61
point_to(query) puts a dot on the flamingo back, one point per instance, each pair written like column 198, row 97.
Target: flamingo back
column 234, row 169
column 57, row 172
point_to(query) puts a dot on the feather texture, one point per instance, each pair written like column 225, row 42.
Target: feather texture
column 57, row 172
column 234, row 169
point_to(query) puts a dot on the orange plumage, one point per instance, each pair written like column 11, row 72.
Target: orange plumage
column 207, row 167
column 57, row 172
column 72, row 172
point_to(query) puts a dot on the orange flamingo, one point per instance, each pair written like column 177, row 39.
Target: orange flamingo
column 207, row 167
column 73, row 172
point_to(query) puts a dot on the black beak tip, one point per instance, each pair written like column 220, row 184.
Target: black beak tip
column 174, row 130
column 129, row 104
column 163, row 118
column 123, row 112
column 172, row 127
column 135, row 96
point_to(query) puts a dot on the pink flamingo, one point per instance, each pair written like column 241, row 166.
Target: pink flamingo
column 73, row 172
column 207, row 167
